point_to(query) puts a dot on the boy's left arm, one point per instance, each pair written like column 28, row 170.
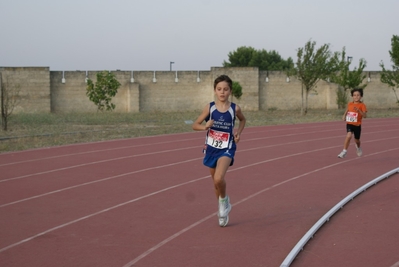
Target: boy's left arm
column 364, row 111
column 241, row 126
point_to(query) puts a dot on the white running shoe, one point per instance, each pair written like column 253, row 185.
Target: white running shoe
column 223, row 221
column 342, row 154
column 359, row 151
column 224, row 207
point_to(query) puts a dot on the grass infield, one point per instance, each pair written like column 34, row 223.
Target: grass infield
column 28, row 131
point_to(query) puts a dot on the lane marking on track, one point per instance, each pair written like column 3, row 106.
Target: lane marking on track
column 94, row 151
column 96, row 162
column 326, row 217
column 134, row 146
column 182, row 162
column 168, row 151
column 96, row 181
column 149, row 251
column 176, row 186
column 168, row 142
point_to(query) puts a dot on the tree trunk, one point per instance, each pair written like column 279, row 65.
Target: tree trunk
column 306, row 102
column 302, row 109
column 3, row 124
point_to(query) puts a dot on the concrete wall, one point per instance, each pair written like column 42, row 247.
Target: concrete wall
column 42, row 90
column 280, row 94
column 71, row 95
column 248, row 79
column 172, row 91
column 33, row 84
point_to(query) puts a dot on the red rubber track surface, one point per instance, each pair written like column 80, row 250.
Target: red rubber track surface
column 150, row 201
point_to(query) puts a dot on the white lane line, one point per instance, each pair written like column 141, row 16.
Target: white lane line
column 152, row 249
column 96, row 151
column 179, row 185
column 326, row 217
column 96, row 162
column 97, row 181
column 160, row 143
column 164, row 151
column 143, row 145
column 182, row 162
column 97, row 213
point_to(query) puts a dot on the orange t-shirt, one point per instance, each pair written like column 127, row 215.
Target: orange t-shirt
column 353, row 117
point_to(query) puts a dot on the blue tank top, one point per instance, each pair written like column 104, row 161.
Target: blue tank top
column 220, row 137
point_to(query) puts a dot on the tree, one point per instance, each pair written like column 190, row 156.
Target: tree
column 250, row 57
column 391, row 77
column 345, row 78
column 236, row 90
column 9, row 100
column 103, row 90
column 312, row 66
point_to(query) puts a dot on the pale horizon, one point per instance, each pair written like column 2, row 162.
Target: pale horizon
column 196, row 35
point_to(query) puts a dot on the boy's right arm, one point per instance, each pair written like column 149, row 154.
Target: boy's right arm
column 346, row 111
column 197, row 125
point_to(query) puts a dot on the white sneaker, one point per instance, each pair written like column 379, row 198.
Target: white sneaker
column 342, row 154
column 224, row 207
column 359, row 151
column 223, row 221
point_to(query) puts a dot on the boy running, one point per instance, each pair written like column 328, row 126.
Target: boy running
column 220, row 142
column 353, row 115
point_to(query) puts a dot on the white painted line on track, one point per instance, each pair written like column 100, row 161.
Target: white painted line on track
column 97, row 213
column 96, row 151
column 141, row 145
column 149, row 251
column 326, row 217
column 182, row 162
column 167, row 151
column 97, row 181
column 96, row 162
column 174, row 141
column 179, row 185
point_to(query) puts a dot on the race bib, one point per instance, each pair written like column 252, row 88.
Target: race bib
column 218, row 139
column 351, row 116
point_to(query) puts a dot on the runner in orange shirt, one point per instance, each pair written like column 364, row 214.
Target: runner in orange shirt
column 353, row 116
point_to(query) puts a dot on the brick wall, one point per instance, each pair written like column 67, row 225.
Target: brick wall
column 43, row 90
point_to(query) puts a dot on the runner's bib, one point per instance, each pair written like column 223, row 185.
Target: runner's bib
column 218, row 139
column 351, row 117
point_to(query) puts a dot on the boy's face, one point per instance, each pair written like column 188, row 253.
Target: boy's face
column 222, row 91
column 356, row 96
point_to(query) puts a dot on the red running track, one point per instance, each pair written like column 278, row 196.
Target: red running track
column 150, row 202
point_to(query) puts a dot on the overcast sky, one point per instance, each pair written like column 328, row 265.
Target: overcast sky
column 194, row 34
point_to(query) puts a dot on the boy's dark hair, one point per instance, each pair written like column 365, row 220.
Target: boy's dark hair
column 223, row 78
column 357, row 90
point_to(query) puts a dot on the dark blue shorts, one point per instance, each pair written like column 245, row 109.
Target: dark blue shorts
column 356, row 130
column 210, row 160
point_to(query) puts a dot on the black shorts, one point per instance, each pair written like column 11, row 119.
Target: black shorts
column 356, row 130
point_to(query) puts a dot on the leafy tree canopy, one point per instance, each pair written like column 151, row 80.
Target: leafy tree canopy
column 391, row 77
column 311, row 66
column 250, row 57
column 237, row 90
column 103, row 90
column 348, row 79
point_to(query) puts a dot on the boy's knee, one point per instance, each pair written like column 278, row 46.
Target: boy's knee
column 218, row 180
